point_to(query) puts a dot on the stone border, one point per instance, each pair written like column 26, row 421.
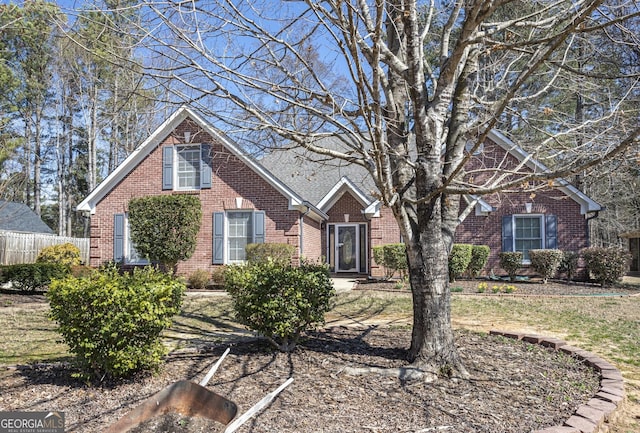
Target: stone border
column 595, row 415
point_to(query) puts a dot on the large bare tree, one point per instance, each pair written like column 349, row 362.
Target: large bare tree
column 407, row 85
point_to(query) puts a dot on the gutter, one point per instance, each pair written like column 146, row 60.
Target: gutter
column 589, row 218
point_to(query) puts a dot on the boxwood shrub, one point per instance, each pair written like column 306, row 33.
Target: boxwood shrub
column 280, row 301
column 112, row 322
column 479, row 258
column 606, row 265
column 459, row 259
column 545, row 262
column 511, row 262
column 393, row 258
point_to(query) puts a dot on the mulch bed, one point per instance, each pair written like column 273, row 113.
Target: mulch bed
column 515, row 387
column 529, row 287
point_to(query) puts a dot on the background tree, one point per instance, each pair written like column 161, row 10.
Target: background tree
column 27, row 39
column 164, row 229
column 416, row 92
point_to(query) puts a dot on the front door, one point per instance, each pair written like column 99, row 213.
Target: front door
column 348, row 247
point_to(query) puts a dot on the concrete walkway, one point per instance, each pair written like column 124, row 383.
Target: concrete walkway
column 343, row 284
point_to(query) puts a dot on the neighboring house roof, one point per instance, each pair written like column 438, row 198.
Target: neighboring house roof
column 18, row 217
column 137, row 156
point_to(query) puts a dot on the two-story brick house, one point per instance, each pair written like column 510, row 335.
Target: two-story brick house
column 326, row 211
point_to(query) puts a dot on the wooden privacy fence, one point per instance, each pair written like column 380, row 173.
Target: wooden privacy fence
column 17, row 248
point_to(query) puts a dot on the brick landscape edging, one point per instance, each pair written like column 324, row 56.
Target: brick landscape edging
column 599, row 411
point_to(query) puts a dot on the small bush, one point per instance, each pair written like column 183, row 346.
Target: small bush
column 545, row 262
column 199, row 279
column 606, row 265
column 479, row 258
column 569, row 264
column 511, row 261
column 261, row 253
column 30, row 277
column 393, row 258
column 280, row 301
column 217, row 276
column 65, row 254
column 459, row 259
column 112, row 322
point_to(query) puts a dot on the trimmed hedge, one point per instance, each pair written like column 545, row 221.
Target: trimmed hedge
column 112, row 322
column 606, row 265
column 393, row 258
column 30, row 277
column 280, row 301
column 261, row 253
column 479, row 258
column 511, row 262
column 459, row 259
column 569, row 264
column 545, row 262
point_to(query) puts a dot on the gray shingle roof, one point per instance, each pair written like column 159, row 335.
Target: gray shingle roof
column 18, row 217
column 312, row 176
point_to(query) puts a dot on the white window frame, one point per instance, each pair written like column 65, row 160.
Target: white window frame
column 176, row 167
column 129, row 246
column 543, row 241
column 227, row 232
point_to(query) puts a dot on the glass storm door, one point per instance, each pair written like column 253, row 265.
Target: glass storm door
column 347, row 248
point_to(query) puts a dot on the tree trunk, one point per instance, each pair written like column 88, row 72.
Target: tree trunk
column 432, row 343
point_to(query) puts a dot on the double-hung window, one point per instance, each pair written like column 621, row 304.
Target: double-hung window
column 233, row 230
column 186, row 167
column 240, row 233
column 528, row 232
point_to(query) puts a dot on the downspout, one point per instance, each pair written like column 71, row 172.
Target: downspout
column 587, row 219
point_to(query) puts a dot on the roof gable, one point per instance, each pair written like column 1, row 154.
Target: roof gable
column 159, row 135
column 586, row 203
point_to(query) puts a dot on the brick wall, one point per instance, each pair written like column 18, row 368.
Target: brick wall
column 312, row 240
column 231, row 179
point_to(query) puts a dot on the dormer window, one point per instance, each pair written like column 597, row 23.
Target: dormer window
column 186, row 167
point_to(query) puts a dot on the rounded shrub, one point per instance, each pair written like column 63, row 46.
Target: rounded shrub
column 393, row 258
column 112, row 322
column 479, row 258
column 280, row 301
column 65, row 254
column 569, row 264
column 545, row 262
column 511, row 262
column 606, row 265
column 459, row 259
column 199, row 279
